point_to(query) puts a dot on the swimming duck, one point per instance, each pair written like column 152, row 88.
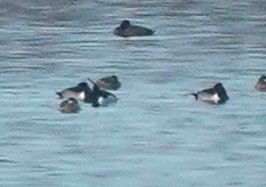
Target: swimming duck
column 79, row 92
column 261, row 84
column 69, row 106
column 126, row 30
column 109, row 83
column 100, row 97
column 214, row 95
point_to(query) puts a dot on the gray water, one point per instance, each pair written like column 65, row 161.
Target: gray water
column 157, row 135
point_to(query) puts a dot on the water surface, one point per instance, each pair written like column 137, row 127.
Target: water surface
column 157, row 134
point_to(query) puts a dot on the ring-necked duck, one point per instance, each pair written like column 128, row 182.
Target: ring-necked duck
column 127, row 30
column 79, row 92
column 214, row 95
column 69, row 106
column 261, row 84
column 109, row 83
column 100, row 97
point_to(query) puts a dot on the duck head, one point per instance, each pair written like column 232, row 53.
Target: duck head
column 262, row 78
column 221, row 92
column 124, row 25
column 83, row 85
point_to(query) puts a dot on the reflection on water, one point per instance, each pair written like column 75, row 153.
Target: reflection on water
column 156, row 135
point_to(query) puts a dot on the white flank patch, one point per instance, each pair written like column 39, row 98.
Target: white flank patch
column 82, row 96
column 105, row 101
column 215, row 98
column 101, row 101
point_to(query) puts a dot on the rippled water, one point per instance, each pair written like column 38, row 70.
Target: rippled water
column 156, row 135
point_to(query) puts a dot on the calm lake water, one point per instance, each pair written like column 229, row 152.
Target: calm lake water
column 157, row 135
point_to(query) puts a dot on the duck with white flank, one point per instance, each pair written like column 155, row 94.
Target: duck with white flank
column 214, row 95
column 100, row 97
column 109, row 83
column 79, row 92
column 261, row 84
column 128, row 30
column 69, row 106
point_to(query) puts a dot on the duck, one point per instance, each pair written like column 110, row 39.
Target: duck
column 69, row 106
column 79, row 92
column 215, row 95
column 127, row 30
column 261, row 84
column 109, row 83
column 100, row 97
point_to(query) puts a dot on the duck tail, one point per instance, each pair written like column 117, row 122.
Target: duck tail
column 92, row 81
column 95, row 86
column 59, row 94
